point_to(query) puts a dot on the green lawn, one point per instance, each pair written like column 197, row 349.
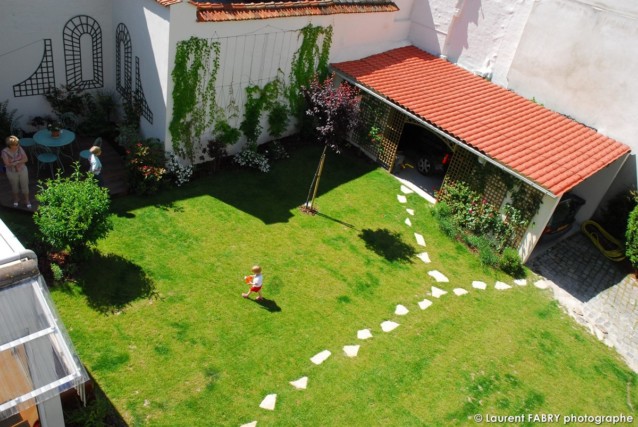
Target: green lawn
column 158, row 319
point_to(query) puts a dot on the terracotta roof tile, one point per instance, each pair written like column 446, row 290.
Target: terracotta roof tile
column 215, row 12
column 168, row 2
column 548, row 148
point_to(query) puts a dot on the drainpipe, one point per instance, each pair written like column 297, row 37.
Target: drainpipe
column 438, row 131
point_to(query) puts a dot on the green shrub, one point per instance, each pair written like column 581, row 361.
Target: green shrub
column 631, row 244
column 488, row 256
column 73, row 212
column 511, row 263
column 145, row 162
column 58, row 273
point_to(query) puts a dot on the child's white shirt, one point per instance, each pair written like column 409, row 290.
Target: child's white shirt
column 257, row 280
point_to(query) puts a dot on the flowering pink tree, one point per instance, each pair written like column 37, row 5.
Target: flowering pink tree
column 334, row 112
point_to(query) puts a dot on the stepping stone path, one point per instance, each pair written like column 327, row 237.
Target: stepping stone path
column 300, row 384
column 321, row 357
column 351, row 350
column 479, row 285
column 502, row 286
column 389, row 326
column 406, row 190
column 423, row 256
column 425, row 304
column 438, row 293
column 364, row 334
column 438, row 276
column 542, row 284
column 269, row 402
column 401, row 310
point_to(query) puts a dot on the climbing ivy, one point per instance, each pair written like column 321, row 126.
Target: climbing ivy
column 258, row 101
column 194, row 103
column 309, row 60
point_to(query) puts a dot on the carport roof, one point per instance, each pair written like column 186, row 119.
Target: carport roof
column 549, row 149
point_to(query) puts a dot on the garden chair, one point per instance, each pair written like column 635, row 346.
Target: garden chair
column 29, row 146
column 86, row 154
column 45, row 156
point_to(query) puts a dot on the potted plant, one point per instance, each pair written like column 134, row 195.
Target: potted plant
column 54, row 128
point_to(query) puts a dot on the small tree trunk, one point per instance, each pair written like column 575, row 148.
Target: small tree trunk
column 314, row 186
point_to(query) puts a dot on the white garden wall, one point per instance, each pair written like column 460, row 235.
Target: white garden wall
column 148, row 25
column 23, row 27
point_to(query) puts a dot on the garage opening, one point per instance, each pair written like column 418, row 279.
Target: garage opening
column 423, row 157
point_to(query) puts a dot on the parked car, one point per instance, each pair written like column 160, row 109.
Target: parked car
column 430, row 153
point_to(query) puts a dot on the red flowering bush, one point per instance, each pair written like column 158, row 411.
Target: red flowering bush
column 145, row 162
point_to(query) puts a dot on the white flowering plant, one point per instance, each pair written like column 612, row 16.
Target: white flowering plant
column 179, row 173
column 249, row 157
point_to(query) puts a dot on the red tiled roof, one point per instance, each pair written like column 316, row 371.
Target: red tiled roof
column 168, row 2
column 546, row 147
column 214, row 12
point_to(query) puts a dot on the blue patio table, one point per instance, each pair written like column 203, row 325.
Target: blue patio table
column 43, row 137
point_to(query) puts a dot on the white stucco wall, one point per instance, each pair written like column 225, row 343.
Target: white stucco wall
column 479, row 36
column 579, row 58
column 23, row 27
column 535, row 229
column 148, row 26
column 253, row 52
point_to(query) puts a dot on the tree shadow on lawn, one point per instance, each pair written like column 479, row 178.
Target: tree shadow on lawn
column 387, row 244
column 271, row 197
column 118, row 283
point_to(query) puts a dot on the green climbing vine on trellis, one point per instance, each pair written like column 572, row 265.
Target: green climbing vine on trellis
column 194, row 98
column 310, row 59
column 258, row 101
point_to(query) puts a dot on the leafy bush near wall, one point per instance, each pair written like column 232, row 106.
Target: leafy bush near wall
column 8, row 121
column 463, row 215
column 631, row 236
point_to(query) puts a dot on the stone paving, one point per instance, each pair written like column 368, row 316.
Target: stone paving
column 600, row 294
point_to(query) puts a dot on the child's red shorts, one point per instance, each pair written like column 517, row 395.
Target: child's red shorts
column 255, row 288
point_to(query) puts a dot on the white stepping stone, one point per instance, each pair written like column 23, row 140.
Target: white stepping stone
column 459, row 291
column 251, row 424
column 408, row 222
column 388, row 326
column 364, row 334
column 406, row 190
column 501, row 286
column 300, row 384
column 479, row 285
column 521, row 282
column 269, row 402
column 425, row 304
column 319, row 358
column 542, row 284
column 438, row 276
column 423, row 256
column 438, row 293
column 401, row 310
column 351, row 350
column 410, row 211
column 419, row 239
column 401, row 198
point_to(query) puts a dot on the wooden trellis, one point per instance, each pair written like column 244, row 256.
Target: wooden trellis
column 389, row 123
column 465, row 167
